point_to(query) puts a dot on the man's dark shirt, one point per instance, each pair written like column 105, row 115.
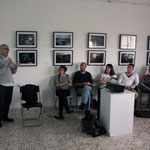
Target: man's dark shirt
column 81, row 78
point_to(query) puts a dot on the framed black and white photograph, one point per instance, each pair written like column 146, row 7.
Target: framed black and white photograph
column 148, row 43
column 96, row 58
column 26, row 57
column 97, row 40
column 26, row 39
column 148, row 59
column 63, row 39
column 64, row 57
column 127, row 41
column 127, row 57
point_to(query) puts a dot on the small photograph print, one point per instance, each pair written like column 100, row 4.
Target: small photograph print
column 96, row 58
column 63, row 39
column 128, row 41
column 27, row 58
column 126, row 58
column 148, row 43
column 26, row 39
column 97, row 40
column 148, row 59
column 63, row 57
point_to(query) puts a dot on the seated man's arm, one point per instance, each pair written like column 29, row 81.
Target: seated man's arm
column 136, row 83
column 120, row 79
column 79, row 84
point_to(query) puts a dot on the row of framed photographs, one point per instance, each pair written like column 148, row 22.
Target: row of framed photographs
column 28, row 39
column 94, row 58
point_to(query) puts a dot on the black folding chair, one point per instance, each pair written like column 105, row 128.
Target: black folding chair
column 30, row 98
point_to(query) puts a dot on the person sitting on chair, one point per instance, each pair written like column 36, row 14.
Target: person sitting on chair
column 62, row 83
column 108, row 76
column 83, row 81
column 144, row 85
column 146, row 78
column 129, row 79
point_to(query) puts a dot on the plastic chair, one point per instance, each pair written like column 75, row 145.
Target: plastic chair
column 30, row 98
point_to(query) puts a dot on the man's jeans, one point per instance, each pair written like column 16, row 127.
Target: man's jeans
column 85, row 93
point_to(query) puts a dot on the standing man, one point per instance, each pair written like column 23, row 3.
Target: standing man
column 7, row 68
column 83, row 82
column 129, row 79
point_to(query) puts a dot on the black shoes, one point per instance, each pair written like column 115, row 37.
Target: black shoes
column 8, row 119
column 59, row 118
column 69, row 112
column 82, row 107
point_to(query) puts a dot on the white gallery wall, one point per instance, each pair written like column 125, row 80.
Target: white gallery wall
column 79, row 17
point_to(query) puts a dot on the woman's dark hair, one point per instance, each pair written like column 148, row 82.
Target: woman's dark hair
column 63, row 67
column 112, row 72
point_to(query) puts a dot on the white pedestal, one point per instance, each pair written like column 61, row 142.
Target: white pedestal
column 117, row 112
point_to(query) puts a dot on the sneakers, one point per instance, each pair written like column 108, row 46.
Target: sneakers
column 8, row 119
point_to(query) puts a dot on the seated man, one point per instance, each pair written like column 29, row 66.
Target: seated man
column 144, row 86
column 129, row 79
column 146, row 79
column 83, row 81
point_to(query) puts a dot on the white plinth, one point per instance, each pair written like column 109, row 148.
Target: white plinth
column 117, row 112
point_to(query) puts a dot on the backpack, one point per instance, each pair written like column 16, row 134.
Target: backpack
column 91, row 126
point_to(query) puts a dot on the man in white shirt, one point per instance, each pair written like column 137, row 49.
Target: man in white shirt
column 7, row 68
column 129, row 79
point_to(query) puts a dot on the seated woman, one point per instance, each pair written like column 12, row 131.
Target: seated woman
column 62, row 83
column 109, row 75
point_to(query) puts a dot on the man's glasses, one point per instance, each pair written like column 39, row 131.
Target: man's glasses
column 7, row 49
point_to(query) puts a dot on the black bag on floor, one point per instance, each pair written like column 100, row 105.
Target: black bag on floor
column 142, row 114
column 91, row 126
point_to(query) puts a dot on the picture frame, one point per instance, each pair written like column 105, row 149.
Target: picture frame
column 96, row 58
column 148, row 43
column 148, row 59
column 26, row 57
column 64, row 57
column 97, row 40
column 26, row 39
column 127, row 57
column 63, row 39
column 127, row 41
